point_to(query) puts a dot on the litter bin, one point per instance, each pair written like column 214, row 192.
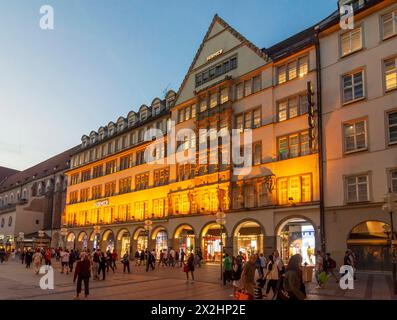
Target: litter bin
column 307, row 273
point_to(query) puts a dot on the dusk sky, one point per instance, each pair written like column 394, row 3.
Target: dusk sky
column 105, row 58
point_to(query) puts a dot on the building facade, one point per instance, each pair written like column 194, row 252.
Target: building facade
column 33, row 200
column 359, row 113
column 113, row 194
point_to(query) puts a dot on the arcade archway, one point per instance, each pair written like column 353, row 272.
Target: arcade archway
column 248, row 238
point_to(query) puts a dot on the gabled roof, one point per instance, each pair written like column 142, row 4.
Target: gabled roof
column 50, row 166
column 234, row 32
column 6, row 172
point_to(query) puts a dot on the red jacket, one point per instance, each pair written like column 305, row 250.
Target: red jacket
column 83, row 269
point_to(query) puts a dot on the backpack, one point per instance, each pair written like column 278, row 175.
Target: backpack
column 331, row 263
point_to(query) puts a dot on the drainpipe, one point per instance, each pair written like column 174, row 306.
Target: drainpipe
column 320, row 139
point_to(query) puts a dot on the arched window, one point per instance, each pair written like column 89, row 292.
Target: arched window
column 2, row 222
column 25, row 194
column 12, row 198
column 9, row 221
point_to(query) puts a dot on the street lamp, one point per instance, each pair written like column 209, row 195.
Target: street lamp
column 21, row 238
column 64, row 232
column 148, row 226
column 221, row 220
column 389, row 206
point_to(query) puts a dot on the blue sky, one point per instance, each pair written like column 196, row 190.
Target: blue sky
column 105, row 58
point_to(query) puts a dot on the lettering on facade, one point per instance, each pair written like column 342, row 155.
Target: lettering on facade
column 102, row 203
column 215, row 54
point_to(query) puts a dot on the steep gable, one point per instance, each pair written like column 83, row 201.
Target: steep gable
column 220, row 44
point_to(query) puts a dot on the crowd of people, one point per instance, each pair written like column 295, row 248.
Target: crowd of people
column 253, row 277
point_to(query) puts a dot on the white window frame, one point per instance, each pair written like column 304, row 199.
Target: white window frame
column 384, row 73
column 351, row 74
column 356, row 185
column 394, row 22
column 349, row 34
column 388, row 128
column 355, row 136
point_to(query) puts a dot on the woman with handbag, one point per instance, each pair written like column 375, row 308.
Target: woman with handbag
column 189, row 267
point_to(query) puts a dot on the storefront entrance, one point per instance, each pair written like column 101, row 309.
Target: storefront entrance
column 142, row 241
column 248, row 239
column 297, row 236
column 108, row 243
column 211, row 241
column 369, row 242
column 186, row 239
column 70, row 241
column 124, row 239
column 161, row 241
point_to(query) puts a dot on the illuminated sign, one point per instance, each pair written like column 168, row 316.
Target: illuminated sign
column 215, row 54
column 102, row 203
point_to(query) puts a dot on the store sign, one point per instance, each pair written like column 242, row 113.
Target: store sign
column 102, row 203
column 215, row 54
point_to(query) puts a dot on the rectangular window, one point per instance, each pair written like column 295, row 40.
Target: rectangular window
column 110, row 189
column 181, row 115
column 126, row 162
column 247, row 87
column 294, row 145
column 390, row 76
column 303, row 107
column 111, row 167
column 351, row 41
column 257, row 118
column 161, row 176
column 353, row 86
column 142, row 181
column 262, row 194
column 392, row 127
column 257, row 153
column 248, row 120
column 203, row 105
column 295, row 189
column 282, row 110
column 282, row 74
column 240, row 91
column 84, row 194
column 249, row 196
column 293, row 107
column 213, row 100
column 239, row 122
column 389, row 22
column 187, row 113
column 97, row 171
column 303, row 66
column 224, row 95
column 125, row 185
column 74, row 197
column 292, row 72
column 355, row 134
column 357, row 189
column 194, row 110
column 140, row 157
column 216, row 71
column 96, row 192
column 85, row 175
column 74, row 179
column 393, row 180
column 257, row 83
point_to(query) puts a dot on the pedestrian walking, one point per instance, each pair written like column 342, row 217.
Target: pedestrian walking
column 109, row 262
column 137, row 256
column 95, row 263
column 272, row 277
column 248, row 277
column 23, row 255
column 47, row 257
column 236, row 275
column 72, row 260
column 126, row 262
column 37, row 260
column 142, row 257
column 263, row 264
column 102, row 265
column 82, row 274
column 182, row 258
column 319, row 268
column 65, row 261
column 28, row 258
column 227, row 269
column 189, row 267
column 172, row 257
column 2, row 255
column 151, row 260
column 331, row 266
column 115, row 256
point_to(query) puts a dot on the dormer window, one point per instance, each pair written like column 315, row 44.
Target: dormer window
column 156, row 110
column 143, row 115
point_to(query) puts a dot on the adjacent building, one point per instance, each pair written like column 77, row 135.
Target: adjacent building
column 33, row 200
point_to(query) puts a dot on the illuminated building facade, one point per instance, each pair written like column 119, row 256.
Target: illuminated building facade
column 231, row 84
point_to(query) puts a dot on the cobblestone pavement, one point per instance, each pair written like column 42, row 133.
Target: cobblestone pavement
column 17, row 282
